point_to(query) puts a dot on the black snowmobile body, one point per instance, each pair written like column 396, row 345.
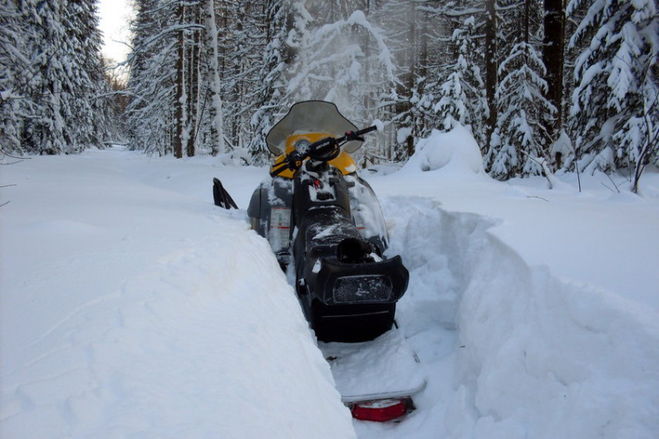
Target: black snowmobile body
column 327, row 229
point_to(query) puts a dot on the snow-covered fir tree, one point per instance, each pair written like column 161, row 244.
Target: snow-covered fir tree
column 171, row 78
column 242, row 41
column 415, row 66
column 404, row 26
column 614, row 105
column 14, row 67
column 195, row 75
column 462, row 94
column 283, row 23
column 152, row 79
column 520, row 142
column 92, row 115
column 356, row 70
column 55, row 99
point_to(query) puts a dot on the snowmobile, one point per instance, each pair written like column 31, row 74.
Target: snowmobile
column 326, row 227
column 324, row 221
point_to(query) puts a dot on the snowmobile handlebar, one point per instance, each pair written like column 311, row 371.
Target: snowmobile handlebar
column 323, row 150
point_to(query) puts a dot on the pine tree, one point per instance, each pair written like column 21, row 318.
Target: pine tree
column 491, row 68
column 169, row 77
column 435, row 58
column 53, row 77
column 151, row 83
column 243, row 42
column 91, row 119
column 610, row 115
column 553, row 58
column 356, row 71
column 277, row 57
column 404, row 28
column 462, row 98
column 14, row 66
column 520, row 142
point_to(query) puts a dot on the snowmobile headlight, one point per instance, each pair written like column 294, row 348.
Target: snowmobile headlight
column 362, row 289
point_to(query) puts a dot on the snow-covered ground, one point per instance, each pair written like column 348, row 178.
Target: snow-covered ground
column 130, row 306
column 534, row 311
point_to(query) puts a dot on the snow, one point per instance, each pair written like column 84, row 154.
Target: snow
column 534, row 312
column 402, row 134
column 454, row 151
column 132, row 306
column 389, row 358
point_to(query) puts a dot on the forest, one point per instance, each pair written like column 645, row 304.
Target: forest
column 544, row 86
column 492, row 249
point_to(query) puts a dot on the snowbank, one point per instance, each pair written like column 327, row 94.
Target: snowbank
column 130, row 306
column 546, row 358
column 534, row 311
column 454, row 152
column 129, row 309
column 534, row 356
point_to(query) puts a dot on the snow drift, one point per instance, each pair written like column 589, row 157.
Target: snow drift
column 131, row 306
column 454, row 151
column 534, row 356
column 130, row 310
column 514, row 349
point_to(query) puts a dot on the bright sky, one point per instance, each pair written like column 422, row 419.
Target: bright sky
column 115, row 16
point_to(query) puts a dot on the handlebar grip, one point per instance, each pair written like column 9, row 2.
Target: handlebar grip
column 292, row 161
column 366, row 130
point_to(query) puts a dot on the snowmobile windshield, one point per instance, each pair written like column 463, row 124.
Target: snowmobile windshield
column 310, row 117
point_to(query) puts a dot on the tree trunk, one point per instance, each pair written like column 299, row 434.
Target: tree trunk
column 217, row 126
column 193, row 94
column 180, row 88
column 552, row 55
column 527, row 18
column 491, row 66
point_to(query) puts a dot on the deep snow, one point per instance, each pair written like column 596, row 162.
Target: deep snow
column 132, row 306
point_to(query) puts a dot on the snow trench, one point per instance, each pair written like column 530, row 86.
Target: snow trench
column 511, row 351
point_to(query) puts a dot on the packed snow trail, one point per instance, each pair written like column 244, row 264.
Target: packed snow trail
column 132, row 310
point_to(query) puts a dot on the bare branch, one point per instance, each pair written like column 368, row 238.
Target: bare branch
column 542, row 162
column 613, row 182
column 606, row 186
column 5, row 153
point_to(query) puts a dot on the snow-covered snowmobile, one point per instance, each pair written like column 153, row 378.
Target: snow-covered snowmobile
column 325, row 223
